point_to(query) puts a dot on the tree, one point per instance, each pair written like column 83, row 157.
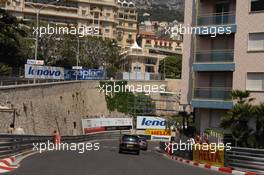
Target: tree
column 11, row 38
column 61, row 49
column 5, row 70
column 241, row 96
column 172, row 66
column 237, row 119
column 259, row 134
column 94, row 52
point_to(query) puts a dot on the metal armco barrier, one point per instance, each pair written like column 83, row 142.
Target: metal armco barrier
column 15, row 144
column 245, row 159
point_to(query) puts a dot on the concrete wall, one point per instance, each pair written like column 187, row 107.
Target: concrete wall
column 42, row 108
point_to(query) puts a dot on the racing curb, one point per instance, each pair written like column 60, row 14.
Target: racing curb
column 208, row 166
column 8, row 164
column 11, row 163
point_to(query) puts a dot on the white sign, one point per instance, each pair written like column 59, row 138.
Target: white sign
column 35, row 62
column 77, row 67
column 161, row 138
column 145, row 122
column 44, row 72
column 103, row 122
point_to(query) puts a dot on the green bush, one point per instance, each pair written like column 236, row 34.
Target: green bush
column 5, row 70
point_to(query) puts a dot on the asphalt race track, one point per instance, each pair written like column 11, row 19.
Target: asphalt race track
column 106, row 161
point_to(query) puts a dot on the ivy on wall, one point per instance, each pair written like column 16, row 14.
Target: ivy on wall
column 120, row 99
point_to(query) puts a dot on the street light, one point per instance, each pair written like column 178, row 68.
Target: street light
column 37, row 11
column 77, row 57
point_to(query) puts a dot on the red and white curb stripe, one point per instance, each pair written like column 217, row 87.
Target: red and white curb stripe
column 207, row 166
column 8, row 164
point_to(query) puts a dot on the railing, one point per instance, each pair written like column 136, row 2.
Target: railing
column 216, row 93
column 216, row 19
column 164, row 48
column 15, row 144
column 138, row 76
column 75, row 4
column 214, row 56
column 8, row 81
column 246, row 159
column 66, row 4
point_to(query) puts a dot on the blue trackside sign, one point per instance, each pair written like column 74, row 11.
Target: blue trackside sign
column 145, row 122
column 85, row 74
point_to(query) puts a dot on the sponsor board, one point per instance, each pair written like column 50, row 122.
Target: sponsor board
column 106, row 124
column 35, row 62
column 77, row 67
column 145, row 122
column 161, row 138
column 85, row 74
column 158, row 132
column 105, row 128
column 44, row 72
column 211, row 156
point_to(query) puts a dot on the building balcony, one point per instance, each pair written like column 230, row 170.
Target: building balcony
column 216, row 93
column 216, row 19
column 130, row 41
column 214, row 60
column 214, row 56
column 219, row 23
column 213, row 98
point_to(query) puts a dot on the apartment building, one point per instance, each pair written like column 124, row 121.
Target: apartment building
column 215, row 63
column 162, row 46
column 138, row 64
column 83, row 13
column 127, row 26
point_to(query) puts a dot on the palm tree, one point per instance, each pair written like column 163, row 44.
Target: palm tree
column 237, row 119
column 241, row 96
column 259, row 134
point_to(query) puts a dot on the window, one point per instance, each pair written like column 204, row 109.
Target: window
column 83, row 12
column 107, row 30
column 148, row 41
column 137, row 68
column 257, row 5
column 255, row 81
column 256, row 42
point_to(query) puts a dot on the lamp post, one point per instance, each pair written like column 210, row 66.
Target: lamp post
column 77, row 57
column 37, row 11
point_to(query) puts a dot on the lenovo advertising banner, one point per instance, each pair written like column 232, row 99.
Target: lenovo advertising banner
column 106, row 124
column 145, row 122
column 44, row 72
